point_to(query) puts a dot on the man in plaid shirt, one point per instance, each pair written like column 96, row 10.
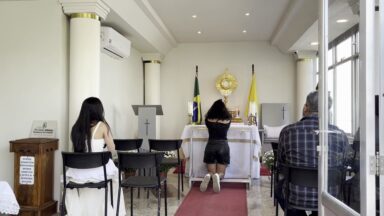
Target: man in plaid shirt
column 298, row 147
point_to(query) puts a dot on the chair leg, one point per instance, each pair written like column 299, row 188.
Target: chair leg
column 138, row 189
column 349, row 194
column 182, row 177
column 118, row 201
column 131, row 201
column 277, row 208
column 158, row 199
column 111, row 193
column 62, row 210
column 178, row 184
column 271, row 183
column 106, row 200
column 165, row 198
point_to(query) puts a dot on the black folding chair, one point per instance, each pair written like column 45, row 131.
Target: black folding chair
column 86, row 161
column 170, row 145
column 142, row 161
column 129, row 145
column 308, row 177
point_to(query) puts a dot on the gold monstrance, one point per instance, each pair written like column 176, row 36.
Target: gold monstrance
column 226, row 84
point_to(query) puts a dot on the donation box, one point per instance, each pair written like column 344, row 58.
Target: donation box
column 33, row 175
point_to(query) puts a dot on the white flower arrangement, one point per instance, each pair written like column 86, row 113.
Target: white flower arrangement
column 170, row 154
column 268, row 159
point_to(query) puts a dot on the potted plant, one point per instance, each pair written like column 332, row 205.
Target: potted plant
column 268, row 159
column 164, row 168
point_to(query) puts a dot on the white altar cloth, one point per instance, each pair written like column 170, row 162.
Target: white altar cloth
column 8, row 202
column 244, row 143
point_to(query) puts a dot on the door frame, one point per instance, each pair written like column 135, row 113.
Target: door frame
column 366, row 108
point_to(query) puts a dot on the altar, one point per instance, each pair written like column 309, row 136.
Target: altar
column 244, row 143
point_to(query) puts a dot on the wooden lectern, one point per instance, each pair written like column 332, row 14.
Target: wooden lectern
column 33, row 175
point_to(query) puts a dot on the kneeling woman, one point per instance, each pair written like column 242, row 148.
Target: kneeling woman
column 216, row 154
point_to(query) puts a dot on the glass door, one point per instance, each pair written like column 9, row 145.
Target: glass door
column 348, row 83
column 379, row 17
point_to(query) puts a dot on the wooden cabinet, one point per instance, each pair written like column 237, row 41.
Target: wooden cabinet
column 33, row 175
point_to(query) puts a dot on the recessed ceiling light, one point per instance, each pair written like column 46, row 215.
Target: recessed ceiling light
column 315, row 43
column 341, row 20
column 199, row 32
column 194, row 16
column 244, row 31
column 247, row 14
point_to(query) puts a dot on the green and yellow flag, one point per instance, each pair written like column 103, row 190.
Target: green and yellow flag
column 253, row 101
column 196, row 117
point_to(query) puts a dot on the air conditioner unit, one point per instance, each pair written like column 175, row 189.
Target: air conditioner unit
column 114, row 44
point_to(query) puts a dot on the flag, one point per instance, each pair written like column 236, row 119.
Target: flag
column 253, row 101
column 196, row 117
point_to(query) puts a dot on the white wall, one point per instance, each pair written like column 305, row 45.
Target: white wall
column 33, row 75
column 121, row 87
column 275, row 74
column 34, row 79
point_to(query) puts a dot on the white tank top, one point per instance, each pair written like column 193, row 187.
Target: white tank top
column 97, row 144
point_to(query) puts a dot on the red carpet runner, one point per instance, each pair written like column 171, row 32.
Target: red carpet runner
column 231, row 201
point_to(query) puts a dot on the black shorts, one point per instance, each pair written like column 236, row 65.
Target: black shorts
column 217, row 151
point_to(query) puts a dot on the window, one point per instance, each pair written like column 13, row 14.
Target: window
column 342, row 79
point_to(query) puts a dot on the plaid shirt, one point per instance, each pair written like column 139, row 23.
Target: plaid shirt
column 298, row 147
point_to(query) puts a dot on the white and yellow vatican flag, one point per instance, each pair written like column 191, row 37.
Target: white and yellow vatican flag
column 253, row 101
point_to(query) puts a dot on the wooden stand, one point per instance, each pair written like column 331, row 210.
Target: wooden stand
column 33, row 175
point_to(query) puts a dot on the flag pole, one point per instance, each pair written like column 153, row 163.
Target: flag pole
column 196, row 117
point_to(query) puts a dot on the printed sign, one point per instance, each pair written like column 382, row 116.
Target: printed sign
column 44, row 129
column 27, row 170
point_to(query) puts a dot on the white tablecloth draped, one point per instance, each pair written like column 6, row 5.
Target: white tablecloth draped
column 244, row 143
column 8, row 202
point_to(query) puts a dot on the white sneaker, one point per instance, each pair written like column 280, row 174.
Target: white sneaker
column 216, row 182
column 205, row 182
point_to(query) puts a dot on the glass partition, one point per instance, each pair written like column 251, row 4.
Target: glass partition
column 350, row 139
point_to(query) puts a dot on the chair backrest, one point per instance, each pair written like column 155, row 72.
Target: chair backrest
column 85, row 160
column 139, row 160
column 302, row 176
column 308, row 176
column 164, row 145
column 127, row 144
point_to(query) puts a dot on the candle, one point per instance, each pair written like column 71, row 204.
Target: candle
column 190, row 107
column 252, row 108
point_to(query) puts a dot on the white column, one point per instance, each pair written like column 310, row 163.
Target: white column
column 304, row 80
column 84, row 54
column 152, row 84
column 84, row 67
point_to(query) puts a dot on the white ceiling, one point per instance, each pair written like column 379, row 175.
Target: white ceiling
column 220, row 20
column 158, row 25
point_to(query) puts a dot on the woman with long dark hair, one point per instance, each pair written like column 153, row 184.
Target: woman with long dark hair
column 216, row 154
column 91, row 133
column 90, row 122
